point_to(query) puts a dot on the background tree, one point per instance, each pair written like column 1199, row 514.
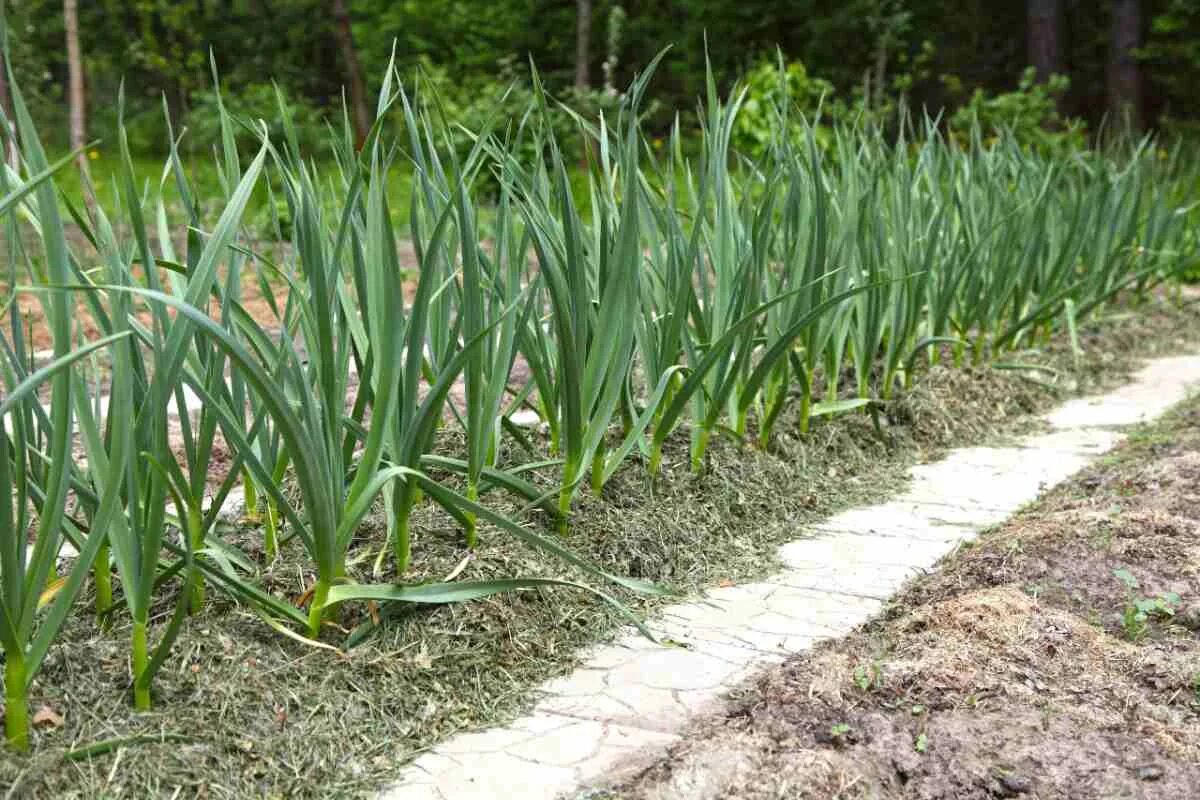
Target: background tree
column 76, row 94
column 583, row 35
column 1045, row 47
column 314, row 48
column 1171, row 59
column 358, row 91
column 1124, row 76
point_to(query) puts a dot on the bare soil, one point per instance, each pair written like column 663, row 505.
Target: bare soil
column 254, row 297
column 1019, row 669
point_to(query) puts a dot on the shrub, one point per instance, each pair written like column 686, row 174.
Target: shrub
column 1029, row 114
column 771, row 86
column 257, row 101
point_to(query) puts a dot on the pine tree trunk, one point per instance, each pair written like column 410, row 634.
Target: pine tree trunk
column 360, row 114
column 1044, row 42
column 1124, row 75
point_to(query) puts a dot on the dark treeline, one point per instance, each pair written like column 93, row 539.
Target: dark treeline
column 1139, row 56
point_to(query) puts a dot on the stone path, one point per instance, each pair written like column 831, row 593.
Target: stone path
column 628, row 701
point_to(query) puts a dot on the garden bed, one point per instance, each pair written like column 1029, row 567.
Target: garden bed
column 242, row 711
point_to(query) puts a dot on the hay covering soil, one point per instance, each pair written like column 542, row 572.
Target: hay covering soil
column 241, row 711
column 1013, row 671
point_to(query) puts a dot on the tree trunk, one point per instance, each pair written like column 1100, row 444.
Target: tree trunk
column 880, row 77
column 75, row 94
column 1124, row 76
column 358, row 93
column 1045, row 44
column 583, row 37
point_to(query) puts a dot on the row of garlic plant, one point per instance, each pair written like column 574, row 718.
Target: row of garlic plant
column 707, row 292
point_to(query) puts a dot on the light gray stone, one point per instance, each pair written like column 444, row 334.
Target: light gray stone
column 892, row 519
column 1159, row 385
column 568, row 752
column 1088, row 442
column 628, row 699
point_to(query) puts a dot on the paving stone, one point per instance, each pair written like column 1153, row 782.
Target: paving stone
column 1159, row 385
column 573, row 751
column 623, row 649
column 495, row 740
column 961, row 514
column 628, row 703
column 852, row 580
column 671, row 668
column 493, row 775
column 740, row 644
column 783, row 625
column 569, row 742
column 583, row 681
column 624, row 706
column 873, row 550
column 412, row 790
column 1088, row 442
column 434, row 763
column 985, row 459
column 721, row 606
column 525, row 418
column 805, row 605
column 622, row 752
column 972, row 487
column 234, row 506
column 907, row 521
column 1090, row 413
column 965, row 478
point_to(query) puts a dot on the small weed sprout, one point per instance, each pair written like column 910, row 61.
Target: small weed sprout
column 868, row 676
column 1139, row 609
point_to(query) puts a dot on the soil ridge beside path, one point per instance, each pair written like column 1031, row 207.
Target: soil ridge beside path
column 631, row 700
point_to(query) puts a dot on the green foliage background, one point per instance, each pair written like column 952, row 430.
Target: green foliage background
column 938, row 56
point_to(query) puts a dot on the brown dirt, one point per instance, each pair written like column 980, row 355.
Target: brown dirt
column 254, row 300
column 38, row 333
column 1014, row 671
